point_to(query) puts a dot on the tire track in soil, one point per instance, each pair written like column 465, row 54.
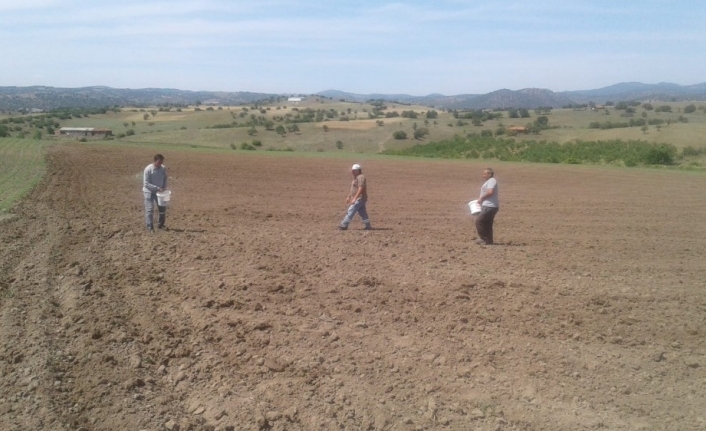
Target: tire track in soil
column 62, row 351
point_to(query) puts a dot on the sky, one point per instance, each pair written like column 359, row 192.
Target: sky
column 392, row 47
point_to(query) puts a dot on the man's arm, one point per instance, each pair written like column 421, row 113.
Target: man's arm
column 487, row 194
column 359, row 193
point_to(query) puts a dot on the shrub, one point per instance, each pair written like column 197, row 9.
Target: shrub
column 256, row 143
column 420, row 132
column 130, row 132
column 246, row 146
column 409, row 114
column 660, row 155
column 399, row 135
column 691, row 151
column 629, row 153
column 339, row 145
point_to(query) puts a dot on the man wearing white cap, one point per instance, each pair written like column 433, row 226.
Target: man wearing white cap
column 357, row 198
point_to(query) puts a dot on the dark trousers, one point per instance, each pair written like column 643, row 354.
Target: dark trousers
column 484, row 224
column 150, row 200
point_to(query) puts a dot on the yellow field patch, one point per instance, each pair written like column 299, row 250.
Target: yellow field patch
column 351, row 125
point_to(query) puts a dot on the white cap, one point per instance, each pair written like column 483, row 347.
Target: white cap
column 355, row 167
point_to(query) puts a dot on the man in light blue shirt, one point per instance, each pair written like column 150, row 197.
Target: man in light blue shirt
column 154, row 180
column 490, row 204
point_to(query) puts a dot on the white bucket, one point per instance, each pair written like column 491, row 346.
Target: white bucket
column 163, row 198
column 474, row 206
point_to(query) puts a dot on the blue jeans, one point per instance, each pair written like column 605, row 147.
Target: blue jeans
column 150, row 201
column 357, row 207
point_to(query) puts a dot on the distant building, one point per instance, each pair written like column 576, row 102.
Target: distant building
column 84, row 131
column 518, row 129
column 211, row 102
column 295, row 99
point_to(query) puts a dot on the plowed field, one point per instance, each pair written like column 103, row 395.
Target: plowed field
column 253, row 312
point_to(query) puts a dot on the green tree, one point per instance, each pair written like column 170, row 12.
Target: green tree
column 688, row 109
column 542, row 122
column 432, row 114
column 420, row 132
column 280, row 130
column 660, row 155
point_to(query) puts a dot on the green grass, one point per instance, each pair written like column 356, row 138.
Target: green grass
column 628, row 153
column 21, row 168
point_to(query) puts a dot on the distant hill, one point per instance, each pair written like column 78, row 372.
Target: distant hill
column 536, row 97
column 626, row 91
column 40, row 97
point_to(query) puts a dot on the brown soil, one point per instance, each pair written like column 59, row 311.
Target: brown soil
column 254, row 312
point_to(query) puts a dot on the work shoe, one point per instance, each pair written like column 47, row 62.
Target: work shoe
column 368, row 227
column 480, row 242
column 161, row 226
column 150, row 229
column 341, row 227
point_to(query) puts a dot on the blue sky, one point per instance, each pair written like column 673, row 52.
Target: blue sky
column 413, row 47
